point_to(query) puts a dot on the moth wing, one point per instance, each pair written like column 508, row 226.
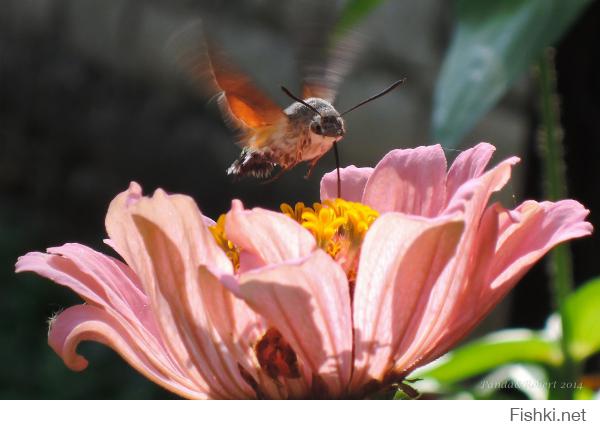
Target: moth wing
column 326, row 57
column 323, row 81
column 243, row 105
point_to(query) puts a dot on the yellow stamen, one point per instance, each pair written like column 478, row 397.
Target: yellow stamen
column 295, row 212
column 333, row 218
column 338, row 226
column 232, row 252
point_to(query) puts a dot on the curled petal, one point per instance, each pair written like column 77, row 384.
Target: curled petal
column 540, row 227
column 108, row 284
column 309, row 303
column 266, row 237
column 98, row 279
column 510, row 243
column 353, row 181
column 410, row 181
column 81, row 323
column 394, row 283
column 468, row 165
column 472, row 196
column 95, row 277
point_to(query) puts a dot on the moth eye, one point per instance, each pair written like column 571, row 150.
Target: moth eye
column 318, row 129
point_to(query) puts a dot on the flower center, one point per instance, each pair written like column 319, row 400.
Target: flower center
column 338, row 226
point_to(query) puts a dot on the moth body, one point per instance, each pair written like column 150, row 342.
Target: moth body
column 300, row 135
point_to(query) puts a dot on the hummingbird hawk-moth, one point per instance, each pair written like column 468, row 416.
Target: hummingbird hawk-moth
column 272, row 136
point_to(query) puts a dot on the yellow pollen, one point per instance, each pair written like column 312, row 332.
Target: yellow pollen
column 218, row 232
column 337, row 225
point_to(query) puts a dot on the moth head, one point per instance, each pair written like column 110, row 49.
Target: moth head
column 328, row 125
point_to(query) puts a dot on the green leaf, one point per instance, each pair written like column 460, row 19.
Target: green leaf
column 582, row 313
column 354, row 12
column 493, row 44
column 585, row 394
column 489, row 352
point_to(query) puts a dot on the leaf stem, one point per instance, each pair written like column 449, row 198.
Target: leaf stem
column 555, row 187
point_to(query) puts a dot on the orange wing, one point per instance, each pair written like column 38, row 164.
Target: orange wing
column 244, row 107
column 241, row 102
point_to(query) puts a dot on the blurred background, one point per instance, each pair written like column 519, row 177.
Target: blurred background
column 90, row 100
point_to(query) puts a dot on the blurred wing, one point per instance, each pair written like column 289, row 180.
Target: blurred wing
column 324, row 81
column 243, row 105
column 325, row 58
column 241, row 102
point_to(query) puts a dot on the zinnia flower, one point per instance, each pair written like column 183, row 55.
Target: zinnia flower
column 335, row 300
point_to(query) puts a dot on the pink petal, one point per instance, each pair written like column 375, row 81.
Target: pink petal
column 394, row 283
column 238, row 325
column 208, row 221
column 480, row 234
column 121, row 231
column 239, row 328
column 266, row 237
column 309, row 303
column 520, row 239
column 541, row 227
column 467, row 314
column 83, row 323
column 127, row 242
column 484, row 249
column 410, row 181
column 353, row 181
column 468, row 165
column 109, row 284
column 177, row 242
column 476, row 192
column 448, row 294
column 103, row 279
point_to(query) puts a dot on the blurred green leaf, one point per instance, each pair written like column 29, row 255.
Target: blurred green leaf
column 582, row 311
column 353, row 12
column 493, row 44
column 489, row 352
column 584, row 394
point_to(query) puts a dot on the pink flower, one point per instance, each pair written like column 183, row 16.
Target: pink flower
column 337, row 300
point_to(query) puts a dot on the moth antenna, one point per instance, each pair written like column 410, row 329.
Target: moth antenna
column 376, row 96
column 299, row 100
column 337, row 167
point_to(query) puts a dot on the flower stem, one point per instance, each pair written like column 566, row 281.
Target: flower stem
column 555, row 187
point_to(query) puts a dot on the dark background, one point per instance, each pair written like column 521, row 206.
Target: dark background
column 88, row 102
